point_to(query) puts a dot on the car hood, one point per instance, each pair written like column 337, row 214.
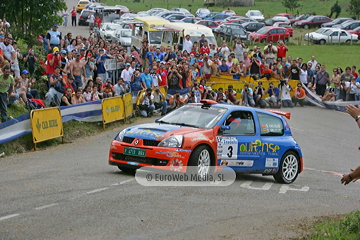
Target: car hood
column 158, row 131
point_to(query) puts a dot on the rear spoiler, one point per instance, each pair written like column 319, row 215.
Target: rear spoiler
column 282, row 113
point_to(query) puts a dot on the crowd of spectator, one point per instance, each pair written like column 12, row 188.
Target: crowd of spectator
column 76, row 73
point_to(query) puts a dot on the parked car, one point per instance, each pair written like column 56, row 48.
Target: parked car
column 182, row 10
column 208, row 23
column 287, row 15
column 335, row 22
column 231, row 18
column 256, row 15
column 217, row 17
column 219, row 29
column 122, row 36
column 236, row 20
column 190, row 19
column 268, row 33
column 285, row 25
column 348, row 25
column 299, row 18
column 81, row 4
column 202, row 12
column 229, row 33
column 164, row 14
column 229, row 12
column 355, row 31
column 83, row 18
column 271, row 21
column 123, row 9
column 308, row 36
column 107, row 30
column 175, row 17
column 252, row 26
column 312, row 21
column 153, row 10
column 124, row 24
column 248, row 19
column 128, row 16
column 334, row 35
column 91, row 5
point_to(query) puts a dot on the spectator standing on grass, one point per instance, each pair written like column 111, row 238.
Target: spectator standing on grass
column 73, row 17
column 335, row 79
column 6, row 89
column 321, row 79
column 30, row 58
column 239, row 49
column 270, row 50
column 53, row 37
column 281, row 50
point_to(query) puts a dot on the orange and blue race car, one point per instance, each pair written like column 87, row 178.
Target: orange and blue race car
column 209, row 135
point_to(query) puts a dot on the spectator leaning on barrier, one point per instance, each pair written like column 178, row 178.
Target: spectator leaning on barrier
column 120, row 88
column 285, row 89
column 146, row 106
column 66, row 99
column 6, row 89
column 160, row 101
column 78, row 97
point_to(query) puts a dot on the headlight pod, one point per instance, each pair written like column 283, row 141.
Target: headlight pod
column 172, row 141
column 120, row 136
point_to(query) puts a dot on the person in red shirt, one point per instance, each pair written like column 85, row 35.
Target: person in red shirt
column 73, row 17
column 299, row 95
column 53, row 60
column 97, row 21
column 69, row 83
column 205, row 48
column 266, row 72
column 282, row 49
column 163, row 73
column 353, row 72
column 109, row 89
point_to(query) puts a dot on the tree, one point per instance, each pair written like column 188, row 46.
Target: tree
column 354, row 8
column 30, row 18
column 291, row 4
column 335, row 9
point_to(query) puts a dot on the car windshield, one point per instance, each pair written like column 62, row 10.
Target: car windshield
column 262, row 30
column 111, row 27
column 204, row 11
column 238, row 31
column 126, row 33
column 194, row 116
column 155, row 37
column 310, row 18
column 255, row 13
column 211, row 15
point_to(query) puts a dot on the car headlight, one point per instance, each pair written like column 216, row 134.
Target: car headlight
column 172, row 141
column 120, row 136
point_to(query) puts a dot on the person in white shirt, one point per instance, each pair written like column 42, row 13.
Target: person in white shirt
column 313, row 62
column 126, row 74
column 65, row 15
column 91, row 18
column 285, row 89
column 187, row 46
column 147, row 106
column 155, row 76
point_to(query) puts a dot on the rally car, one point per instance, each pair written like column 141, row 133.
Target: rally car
column 209, row 135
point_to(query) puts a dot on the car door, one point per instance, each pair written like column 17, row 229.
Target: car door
column 334, row 37
column 271, row 142
column 238, row 144
column 271, row 35
column 315, row 22
column 344, row 36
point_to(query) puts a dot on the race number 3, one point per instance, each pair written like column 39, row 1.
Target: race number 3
column 227, row 147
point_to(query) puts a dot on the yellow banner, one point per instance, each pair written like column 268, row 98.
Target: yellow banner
column 112, row 109
column 128, row 102
column 46, row 124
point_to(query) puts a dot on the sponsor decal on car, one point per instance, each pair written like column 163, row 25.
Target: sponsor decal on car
column 271, row 162
column 239, row 163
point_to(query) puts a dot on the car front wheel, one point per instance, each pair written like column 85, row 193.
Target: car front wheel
column 322, row 42
column 306, row 26
column 201, row 158
column 289, row 168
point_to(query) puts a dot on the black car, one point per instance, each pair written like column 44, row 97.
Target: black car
column 230, row 33
column 83, row 19
column 252, row 26
column 335, row 22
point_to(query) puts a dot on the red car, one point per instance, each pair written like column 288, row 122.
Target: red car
column 285, row 25
column 268, row 33
column 355, row 31
column 312, row 21
column 208, row 23
column 229, row 12
column 289, row 16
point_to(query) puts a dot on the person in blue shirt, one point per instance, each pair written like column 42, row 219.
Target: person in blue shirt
column 248, row 96
column 146, row 79
column 100, row 60
column 223, row 69
column 273, row 94
column 149, row 57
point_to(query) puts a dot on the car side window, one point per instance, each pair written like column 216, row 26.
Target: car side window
column 270, row 125
column 272, row 31
column 335, row 34
column 343, row 33
column 240, row 123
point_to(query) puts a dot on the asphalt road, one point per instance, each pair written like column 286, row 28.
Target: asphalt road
column 70, row 191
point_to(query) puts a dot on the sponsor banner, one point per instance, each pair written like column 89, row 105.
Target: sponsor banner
column 112, row 64
column 112, row 109
column 46, row 124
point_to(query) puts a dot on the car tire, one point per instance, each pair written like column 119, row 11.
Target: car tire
column 127, row 170
column 322, row 42
column 263, row 40
column 289, row 168
column 347, row 41
column 306, row 26
column 201, row 157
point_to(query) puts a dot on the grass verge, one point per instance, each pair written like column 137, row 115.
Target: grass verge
column 72, row 129
column 335, row 228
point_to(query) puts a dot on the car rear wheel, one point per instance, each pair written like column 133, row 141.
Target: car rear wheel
column 289, row 168
column 201, row 158
column 322, row 42
column 306, row 26
column 127, row 170
column 347, row 41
